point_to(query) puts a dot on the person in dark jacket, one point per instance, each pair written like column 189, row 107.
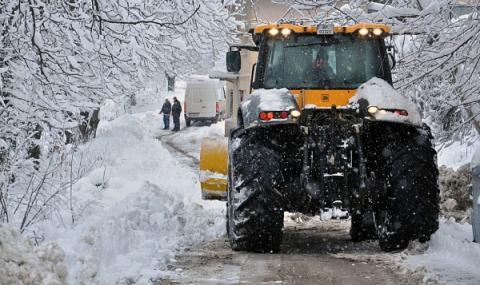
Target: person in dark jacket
column 166, row 110
column 322, row 69
column 176, row 110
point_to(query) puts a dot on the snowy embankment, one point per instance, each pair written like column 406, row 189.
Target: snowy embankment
column 21, row 264
column 135, row 209
column 450, row 257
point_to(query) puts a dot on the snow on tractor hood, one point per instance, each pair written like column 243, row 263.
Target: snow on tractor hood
column 267, row 100
column 378, row 93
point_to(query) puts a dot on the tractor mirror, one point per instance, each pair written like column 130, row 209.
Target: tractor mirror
column 391, row 61
column 391, row 56
column 234, row 61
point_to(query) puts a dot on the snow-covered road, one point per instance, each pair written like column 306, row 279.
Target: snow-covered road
column 314, row 252
column 322, row 250
column 138, row 218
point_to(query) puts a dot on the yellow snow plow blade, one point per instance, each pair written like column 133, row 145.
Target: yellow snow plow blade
column 213, row 168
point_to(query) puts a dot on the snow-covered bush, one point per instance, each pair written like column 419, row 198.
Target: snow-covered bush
column 21, row 264
column 455, row 192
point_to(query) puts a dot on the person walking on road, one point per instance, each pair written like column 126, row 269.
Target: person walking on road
column 166, row 110
column 176, row 110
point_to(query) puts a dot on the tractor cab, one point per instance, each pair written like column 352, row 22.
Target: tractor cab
column 322, row 66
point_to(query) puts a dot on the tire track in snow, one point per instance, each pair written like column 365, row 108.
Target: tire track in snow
column 186, row 158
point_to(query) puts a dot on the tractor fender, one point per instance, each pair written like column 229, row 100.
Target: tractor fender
column 267, row 100
column 380, row 94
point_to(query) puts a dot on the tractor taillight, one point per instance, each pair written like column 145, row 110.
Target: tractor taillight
column 263, row 116
column 267, row 116
column 217, row 107
column 401, row 112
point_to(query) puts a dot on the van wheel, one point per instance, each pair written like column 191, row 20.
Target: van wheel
column 188, row 122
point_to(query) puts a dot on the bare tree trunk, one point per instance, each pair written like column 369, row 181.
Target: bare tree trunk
column 170, row 81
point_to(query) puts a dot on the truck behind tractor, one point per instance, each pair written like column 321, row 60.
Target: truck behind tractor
column 322, row 127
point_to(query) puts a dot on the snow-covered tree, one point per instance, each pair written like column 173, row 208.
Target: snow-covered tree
column 437, row 45
column 60, row 59
column 440, row 70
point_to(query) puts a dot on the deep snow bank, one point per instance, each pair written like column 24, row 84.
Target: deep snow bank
column 451, row 257
column 134, row 209
column 190, row 139
column 21, row 264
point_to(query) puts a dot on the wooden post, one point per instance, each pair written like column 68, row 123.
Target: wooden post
column 476, row 196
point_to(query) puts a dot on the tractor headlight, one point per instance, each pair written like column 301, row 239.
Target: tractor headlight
column 377, row 32
column 295, row 113
column 273, row 32
column 363, row 32
column 372, row 109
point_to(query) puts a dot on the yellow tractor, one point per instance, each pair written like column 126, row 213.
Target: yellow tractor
column 321, row 125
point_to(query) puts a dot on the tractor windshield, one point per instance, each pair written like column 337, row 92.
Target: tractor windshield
column 323, row 62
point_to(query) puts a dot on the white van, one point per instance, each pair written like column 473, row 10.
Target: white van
column 204, row 100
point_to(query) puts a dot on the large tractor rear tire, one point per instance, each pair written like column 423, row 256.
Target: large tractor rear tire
column 254, row 213
column 412, row 203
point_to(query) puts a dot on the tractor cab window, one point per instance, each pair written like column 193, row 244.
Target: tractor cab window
column 319, row 62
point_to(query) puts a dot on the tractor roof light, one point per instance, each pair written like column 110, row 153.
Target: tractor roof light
column 273, row 32
column 372, row 109
column 377, row 32
column 363, row 31
column 286, row 32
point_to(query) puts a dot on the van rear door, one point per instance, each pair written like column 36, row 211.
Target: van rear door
column 200, row 100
